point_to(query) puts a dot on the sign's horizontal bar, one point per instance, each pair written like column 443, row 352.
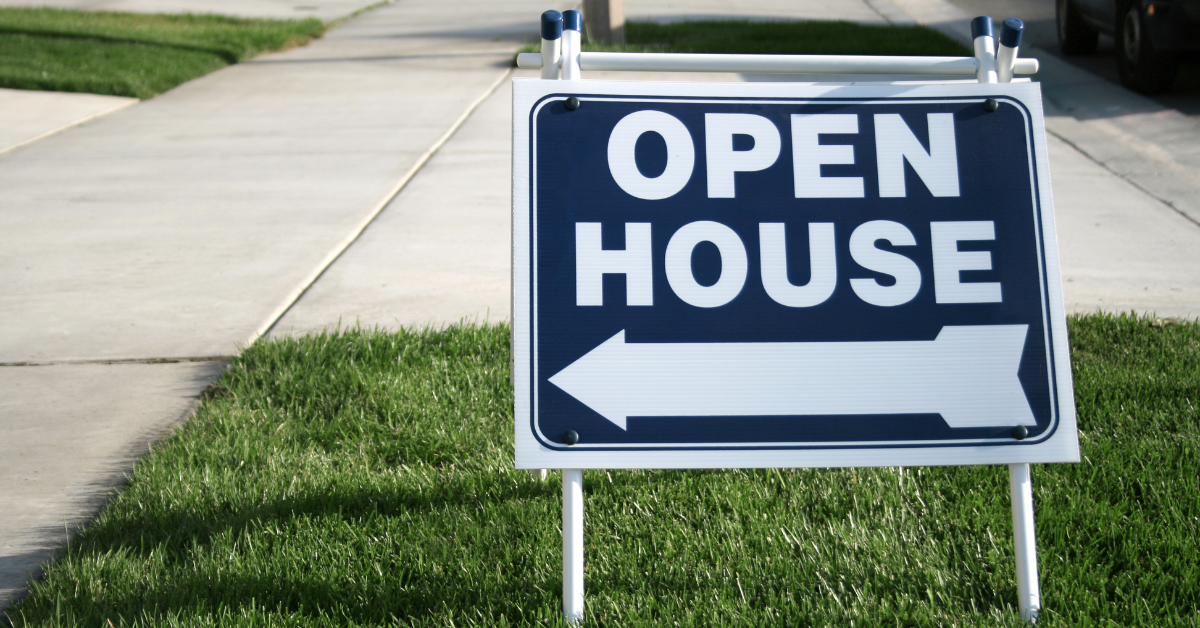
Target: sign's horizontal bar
column 791, row 64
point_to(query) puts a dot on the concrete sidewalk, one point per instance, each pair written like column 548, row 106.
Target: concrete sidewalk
column 31, row 116
column 142, row 248
column 1122, row 248
column 434, row 257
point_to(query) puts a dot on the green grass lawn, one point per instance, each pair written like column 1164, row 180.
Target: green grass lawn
column 796, row 38
column 366, row 479
column 127, row 54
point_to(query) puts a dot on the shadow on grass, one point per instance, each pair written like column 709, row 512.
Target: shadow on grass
column 406, row 554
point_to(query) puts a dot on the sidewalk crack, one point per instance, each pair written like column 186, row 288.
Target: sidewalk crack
column 333, row 256
column 172, row 360
column 1126, row 179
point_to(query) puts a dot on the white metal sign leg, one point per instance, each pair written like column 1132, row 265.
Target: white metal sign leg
column 571, row 44
column 1029, row 596
column 552, row 27
column 572, row 529
column 572, row 478
column 552, row 24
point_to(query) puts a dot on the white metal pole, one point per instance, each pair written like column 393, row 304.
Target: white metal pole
column 572, row 529
column 985, row 49
column 1006, row 55
column 572, row 37
column 552, row 28
column 572, row 479
column 1029, row 595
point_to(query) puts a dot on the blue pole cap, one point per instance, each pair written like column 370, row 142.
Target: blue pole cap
column 552, row 24
column 1010, row 32
column 573, row 20
column 981, row 27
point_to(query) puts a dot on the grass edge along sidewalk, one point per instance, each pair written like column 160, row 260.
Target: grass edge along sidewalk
column 131, row 54
column 362, row 478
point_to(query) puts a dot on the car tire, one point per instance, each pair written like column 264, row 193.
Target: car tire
column 1142, row 68
column 1074, row 36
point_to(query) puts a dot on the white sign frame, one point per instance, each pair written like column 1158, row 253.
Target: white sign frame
column 1062, row 446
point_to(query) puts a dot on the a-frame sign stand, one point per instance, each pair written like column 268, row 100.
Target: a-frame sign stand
column 561, row 58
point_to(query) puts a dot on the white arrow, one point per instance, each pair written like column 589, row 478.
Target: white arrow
column 968, row 375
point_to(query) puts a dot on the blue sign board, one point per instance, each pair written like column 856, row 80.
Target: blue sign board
column 761, row 275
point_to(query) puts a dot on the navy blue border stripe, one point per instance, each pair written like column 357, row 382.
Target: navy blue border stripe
column 1037, row 206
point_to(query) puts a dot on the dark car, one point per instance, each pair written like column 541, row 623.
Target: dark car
column 1152, row 36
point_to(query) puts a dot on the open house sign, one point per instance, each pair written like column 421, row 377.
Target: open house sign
column 773, row 275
